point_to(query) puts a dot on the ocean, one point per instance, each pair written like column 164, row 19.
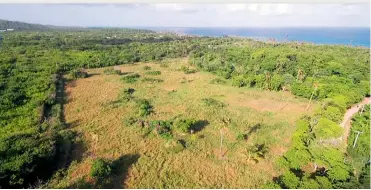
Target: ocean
column 334, row 36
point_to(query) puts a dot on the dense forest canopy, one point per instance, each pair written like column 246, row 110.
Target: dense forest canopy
column 33, row 134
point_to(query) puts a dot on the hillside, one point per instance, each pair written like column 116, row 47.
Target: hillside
column 6, row 24
column 23, row 26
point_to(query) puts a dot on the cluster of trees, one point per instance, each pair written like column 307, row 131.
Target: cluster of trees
column 307, row 71
column 316, row 160
column 359, row 148
column 32, row 132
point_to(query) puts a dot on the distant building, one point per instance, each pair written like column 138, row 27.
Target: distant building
column 2, row 30
column 9, row 29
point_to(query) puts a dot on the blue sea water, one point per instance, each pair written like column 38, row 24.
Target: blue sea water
column 339, row 35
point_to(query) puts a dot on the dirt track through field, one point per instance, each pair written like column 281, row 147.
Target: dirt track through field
column 346, row 123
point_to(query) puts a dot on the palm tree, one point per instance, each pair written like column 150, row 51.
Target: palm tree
column 311, row 96
column 267, row 79
column 300, row 75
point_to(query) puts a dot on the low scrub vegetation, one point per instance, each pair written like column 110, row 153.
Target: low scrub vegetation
column 213, row 102
column 153, row 73
column 184, row 125
column 112, row 71
column 100, row 168
column 151, row 80
column 78, row 73
column 218, row 81
column 130, row 78
column 146, row 68
column 144, row 107
column 187, row 70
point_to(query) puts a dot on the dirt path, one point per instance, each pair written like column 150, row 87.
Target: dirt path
column 348, row 116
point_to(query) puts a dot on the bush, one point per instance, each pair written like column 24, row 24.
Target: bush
column 130, row 121
column 153, row 73
column 239, row 81
column 187, row 70
column 162, row 128
column 145, row 108
column 217, row 81
column 100, row 168
column 132, row 78
column 184, row 125
column 289, row 180
column 146, row 68
column 164, row 65
column 78, row 73
column 212, row 102
column 333, row 113
column 175, row 145
column 241, row 136
column 326, row 129
column 126, row 95
column 111, row 71
column 152, row 80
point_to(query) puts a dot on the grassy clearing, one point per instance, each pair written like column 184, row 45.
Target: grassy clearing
column 254, row 118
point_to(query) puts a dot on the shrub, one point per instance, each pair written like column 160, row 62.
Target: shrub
column 130, row 121
column 326, row 129
column 187, row 70
column 145, row 108
column 239, row 81
column 111, row 71
column 146, row 68
column 241, row 136
column 100, row 168
column 128, row 91
column 333, row 113
column 152, row 80
column 126, row 95
column 217, row 81
column 153, row 73
column 162, row 128
column 78, row 73
column 164, row 65
column 212, row 102
column 184, row 125
column 289, row 180
column 130, row 78
column 175, row 145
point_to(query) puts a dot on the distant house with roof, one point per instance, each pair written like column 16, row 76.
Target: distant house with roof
column 9, row 29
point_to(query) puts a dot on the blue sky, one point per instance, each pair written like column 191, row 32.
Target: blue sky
column 190, row 15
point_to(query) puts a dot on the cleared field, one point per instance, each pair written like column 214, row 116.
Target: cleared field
column 265, row 117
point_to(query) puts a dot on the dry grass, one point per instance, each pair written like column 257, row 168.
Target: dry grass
column 267, row 117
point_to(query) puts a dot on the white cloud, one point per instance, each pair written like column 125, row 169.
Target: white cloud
column 236, row 7
column 187, row 15
column 252, row 7
column 282, row 9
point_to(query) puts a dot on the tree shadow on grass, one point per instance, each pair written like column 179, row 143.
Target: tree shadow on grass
column 199, row 125
column 252, row 130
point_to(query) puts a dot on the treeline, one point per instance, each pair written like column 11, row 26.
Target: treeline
column 308, row 71
column 33, row 134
